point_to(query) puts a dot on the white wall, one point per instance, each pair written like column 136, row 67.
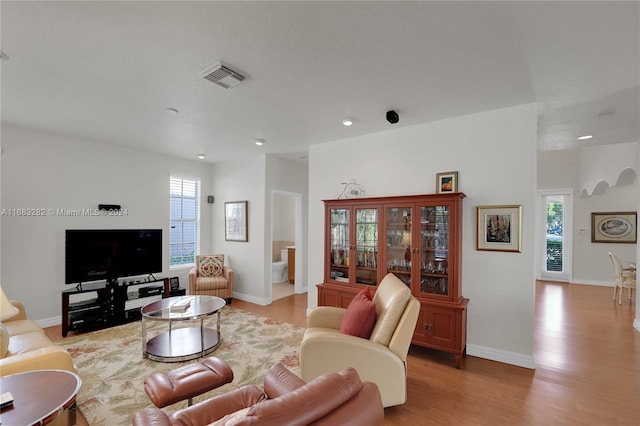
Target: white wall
column 605, row 163
column 284, row 218
column 239, row 181
column 293, row 178
column 581, row 169
column 495, row 155
column 253, row 179
column 44, row 170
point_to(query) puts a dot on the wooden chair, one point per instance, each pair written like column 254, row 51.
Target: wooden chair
column 624, row 278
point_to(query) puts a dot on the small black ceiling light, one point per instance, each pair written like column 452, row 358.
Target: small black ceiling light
column 392, row 117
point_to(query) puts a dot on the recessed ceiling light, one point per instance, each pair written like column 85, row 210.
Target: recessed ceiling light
column 585, row 137
column 172, row 111
column 259, row 142
column 347, row 121
column 202, row 156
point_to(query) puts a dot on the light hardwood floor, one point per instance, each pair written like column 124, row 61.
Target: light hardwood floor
column 587, row 367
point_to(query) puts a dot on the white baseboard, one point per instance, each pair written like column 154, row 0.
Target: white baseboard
column 49, row 322
column 506, row 357
column 251, row 299
column 591, row 282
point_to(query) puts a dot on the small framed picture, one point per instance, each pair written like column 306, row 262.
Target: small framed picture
column 618, row 227
column 499, row 228
column 235, row 221
column 174, row 283
column 446, row 182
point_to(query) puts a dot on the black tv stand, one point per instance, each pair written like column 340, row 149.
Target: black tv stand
column 113, row 305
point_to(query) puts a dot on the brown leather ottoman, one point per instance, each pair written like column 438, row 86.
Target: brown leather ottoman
column 187, row 381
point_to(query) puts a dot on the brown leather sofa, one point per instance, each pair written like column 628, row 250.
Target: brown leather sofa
column 331, row 399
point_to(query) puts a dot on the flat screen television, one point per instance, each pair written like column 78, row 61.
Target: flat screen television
column 109, row 254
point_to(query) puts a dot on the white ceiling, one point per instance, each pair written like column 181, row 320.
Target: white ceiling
column 107, row 71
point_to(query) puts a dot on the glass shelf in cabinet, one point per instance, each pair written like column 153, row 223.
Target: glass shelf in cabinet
column 432, row 249
column 366, row 268
column 433, row 274
column 399, row 271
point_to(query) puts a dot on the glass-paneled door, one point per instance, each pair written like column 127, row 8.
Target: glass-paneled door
column 399, row 239
column 557, row 242
column 366, row 255
column 434, row 250
column 339, row 243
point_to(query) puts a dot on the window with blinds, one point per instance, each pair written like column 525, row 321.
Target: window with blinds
column 184, row 235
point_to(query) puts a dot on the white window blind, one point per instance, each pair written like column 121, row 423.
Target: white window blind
column 184, row 232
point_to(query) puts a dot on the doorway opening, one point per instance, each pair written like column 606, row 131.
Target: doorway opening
column 286, row 247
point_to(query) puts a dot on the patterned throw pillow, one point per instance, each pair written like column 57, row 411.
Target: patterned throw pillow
column 210, row 265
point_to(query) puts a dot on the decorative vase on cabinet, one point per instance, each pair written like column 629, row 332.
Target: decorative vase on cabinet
column 420, row 244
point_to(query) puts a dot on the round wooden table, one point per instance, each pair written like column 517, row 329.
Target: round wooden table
column 185, row 343
column 40, row 397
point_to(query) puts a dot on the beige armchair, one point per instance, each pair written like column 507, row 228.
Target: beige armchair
column 211, row 278
column 381, row 359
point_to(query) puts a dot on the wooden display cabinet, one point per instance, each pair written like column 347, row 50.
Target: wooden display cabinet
column 418, row 238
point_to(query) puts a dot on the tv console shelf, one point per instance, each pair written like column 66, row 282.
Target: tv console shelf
column 112, row 304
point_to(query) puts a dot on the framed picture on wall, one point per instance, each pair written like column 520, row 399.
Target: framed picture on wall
column 446, row 182
column 235, row 221
column 619, row 227
column 499, row 228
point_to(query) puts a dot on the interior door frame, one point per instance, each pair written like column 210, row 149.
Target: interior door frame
column 567, row 238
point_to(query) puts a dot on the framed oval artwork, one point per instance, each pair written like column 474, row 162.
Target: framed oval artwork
column 609, row 227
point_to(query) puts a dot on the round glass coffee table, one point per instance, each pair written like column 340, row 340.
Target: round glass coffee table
column 185, row 343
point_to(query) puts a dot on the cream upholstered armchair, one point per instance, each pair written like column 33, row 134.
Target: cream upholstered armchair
column 381, row 358
column 211, row 278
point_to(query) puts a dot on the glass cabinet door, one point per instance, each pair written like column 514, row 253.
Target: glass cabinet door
column 339, row 228
column 434, row 250
column 399, row 242
column 366, row 255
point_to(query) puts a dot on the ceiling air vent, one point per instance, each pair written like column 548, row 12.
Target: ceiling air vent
column 222, row 76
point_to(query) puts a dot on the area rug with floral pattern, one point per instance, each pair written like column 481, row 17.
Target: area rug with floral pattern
column 112, row 369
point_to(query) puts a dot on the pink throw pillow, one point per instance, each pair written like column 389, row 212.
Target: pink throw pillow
column 360, row 317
